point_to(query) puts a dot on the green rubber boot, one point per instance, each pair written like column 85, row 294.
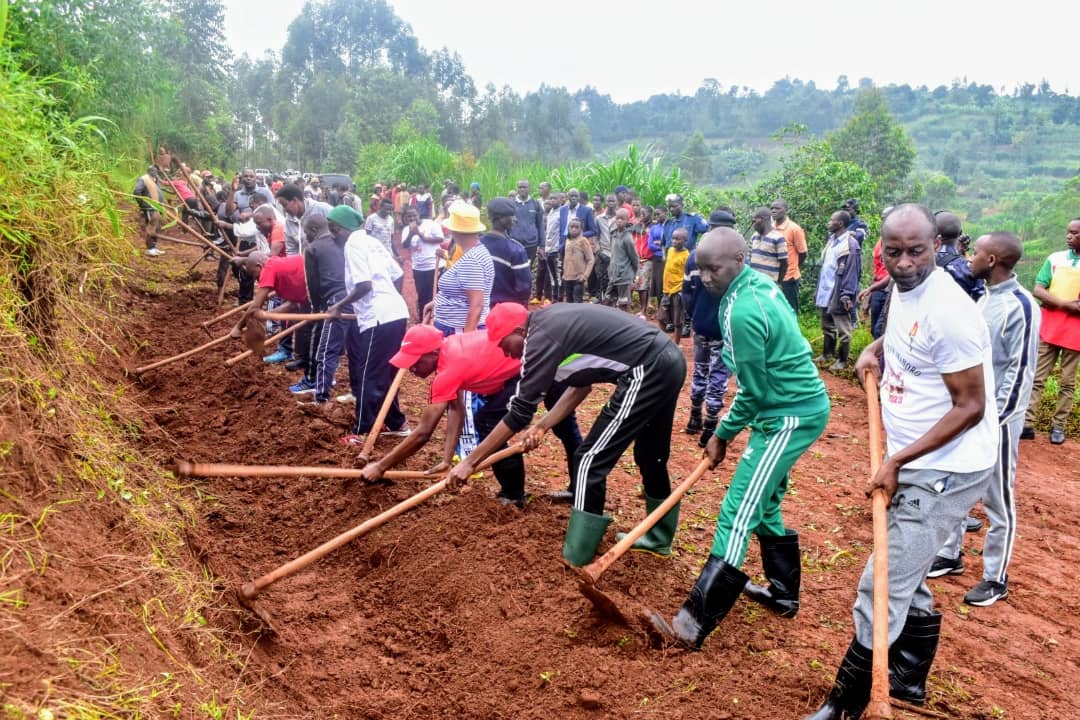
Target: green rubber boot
column 583, row 536
column 658, row 539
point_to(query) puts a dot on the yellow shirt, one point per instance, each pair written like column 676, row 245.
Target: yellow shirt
column 674, row 269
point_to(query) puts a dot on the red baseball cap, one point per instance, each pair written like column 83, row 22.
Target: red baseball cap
column 419, row 340
column 503, row 319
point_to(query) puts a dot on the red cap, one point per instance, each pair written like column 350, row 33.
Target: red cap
column 503, row 319
column 419, row 340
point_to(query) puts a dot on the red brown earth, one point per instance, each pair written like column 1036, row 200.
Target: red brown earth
column 463, row 608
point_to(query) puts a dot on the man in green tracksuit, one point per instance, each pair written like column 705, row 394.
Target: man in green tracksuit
column 782, row 400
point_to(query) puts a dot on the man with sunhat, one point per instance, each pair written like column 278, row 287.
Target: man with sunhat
column 513, row 271
column 467, row 362
column 580, row 345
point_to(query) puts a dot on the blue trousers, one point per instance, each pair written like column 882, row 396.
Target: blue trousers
column 326, row 350
column 371, row 374
column 711, row 375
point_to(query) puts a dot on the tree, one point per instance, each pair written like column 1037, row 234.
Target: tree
column 940, row 192
column 695, row 159
column 874, row 140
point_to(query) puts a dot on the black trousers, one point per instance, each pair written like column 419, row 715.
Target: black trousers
column 371, row 374
column 790, row 288
column 640, row 411
column 424, row 280
column 511, row 472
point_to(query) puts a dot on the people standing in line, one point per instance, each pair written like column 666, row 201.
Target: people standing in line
column 768, row 248
column 623, row 267
column 549, row 253
column 513, row 270
column 380, row 225
column 938, row 411
column 1010, row 313
column 1057, row 288
column 577, row 262
column 147, row 188
column 838, row 286
column 795, row 240
column 646, row 257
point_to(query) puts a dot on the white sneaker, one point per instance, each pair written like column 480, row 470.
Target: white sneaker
column 154, row 252
column 346, row 398
column 404, row 431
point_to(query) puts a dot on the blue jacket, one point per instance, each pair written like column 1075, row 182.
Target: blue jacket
column 859, row 229
column 694, row 225
column 702, row 306
column 513, row 274
column 959, row 269
column 588, row 221
column 528, row 227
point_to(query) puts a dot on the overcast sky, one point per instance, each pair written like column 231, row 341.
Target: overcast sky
column 647, row 48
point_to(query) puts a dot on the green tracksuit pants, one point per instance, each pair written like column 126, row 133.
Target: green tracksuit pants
column 752, row 502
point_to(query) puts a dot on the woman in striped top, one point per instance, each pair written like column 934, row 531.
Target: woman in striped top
column 464, row 293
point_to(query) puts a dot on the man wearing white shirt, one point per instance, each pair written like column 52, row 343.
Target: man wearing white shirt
column 381, row 317
column 938, row 408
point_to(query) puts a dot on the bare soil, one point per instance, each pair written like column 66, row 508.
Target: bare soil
column 463, row 608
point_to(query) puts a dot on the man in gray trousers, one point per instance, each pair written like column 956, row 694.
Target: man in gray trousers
column 937, row 402
column 1013, row 319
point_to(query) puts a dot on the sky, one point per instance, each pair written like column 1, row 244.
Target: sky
column 647, row 48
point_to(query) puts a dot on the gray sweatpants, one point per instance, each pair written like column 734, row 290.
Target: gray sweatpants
column 927, row 506
column 1000, row 503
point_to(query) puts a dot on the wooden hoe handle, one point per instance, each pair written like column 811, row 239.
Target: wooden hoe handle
column 186, row 468
column 373, row 433
column 249, row 590
column 272, row 340
column 879, row 689
column 289, row 317
column 181, row 356
column 592, row 572
column 228, row 314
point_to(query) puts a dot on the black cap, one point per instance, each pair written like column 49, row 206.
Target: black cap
column 501, row 207
column 852, row 203
column 721, row 218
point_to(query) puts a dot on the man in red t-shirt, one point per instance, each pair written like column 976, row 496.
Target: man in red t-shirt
column 282, row 275
column 466, row 362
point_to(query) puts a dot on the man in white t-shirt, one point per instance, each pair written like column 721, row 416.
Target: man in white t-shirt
column 939, row 414
column 424, row 239
column 381, row 317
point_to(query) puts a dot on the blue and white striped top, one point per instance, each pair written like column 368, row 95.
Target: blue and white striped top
column 474, row 271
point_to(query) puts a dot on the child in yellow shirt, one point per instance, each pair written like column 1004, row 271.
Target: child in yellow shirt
column 670, row 316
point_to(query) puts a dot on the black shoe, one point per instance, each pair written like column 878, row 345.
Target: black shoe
column 295, row 364
column 851, row 691
column 694, row 424
column 687, row 331
column 669, row 328
column 986, row 593
column 972, row 525
column 518, row 502
column 711, row 599
column 946, row 566
column 1028, row 433
column 911, row 655
column 781, row 561
column 707, row 430
column 562, row 497
column 1057, row 436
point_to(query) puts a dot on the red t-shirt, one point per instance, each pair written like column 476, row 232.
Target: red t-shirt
column 285, row 276
column 183, row 190
column 277, row 235
column 469, row 361
column 879, row 266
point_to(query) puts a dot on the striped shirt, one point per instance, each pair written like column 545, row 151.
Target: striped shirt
column 474, row 271
column 767, row 252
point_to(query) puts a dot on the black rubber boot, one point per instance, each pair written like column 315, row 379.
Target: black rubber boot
column 828, row 349
column 707, row 429
column 711, row 599
column 911, row 655
column 694, row 424
column 851, row 691
column 780, row 558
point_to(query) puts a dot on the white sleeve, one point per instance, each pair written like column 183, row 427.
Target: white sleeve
column 959, row 340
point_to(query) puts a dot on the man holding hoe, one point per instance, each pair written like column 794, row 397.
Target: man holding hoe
column 579, row 345
column 466, row 362
column 784, row 403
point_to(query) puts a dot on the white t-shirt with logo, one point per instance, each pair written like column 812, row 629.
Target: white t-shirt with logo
column 932, row 330
column 366, row 260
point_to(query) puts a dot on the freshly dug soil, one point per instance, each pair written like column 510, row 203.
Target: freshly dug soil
column 463, row 608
